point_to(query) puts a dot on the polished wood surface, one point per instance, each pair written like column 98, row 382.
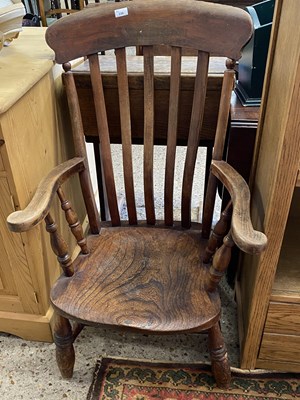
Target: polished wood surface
column 246, row 238
column 298, row 179
column 172, row 127
column 162, row 68
column 103, row 133
column 30, row 129
column 234, row 3
column 98, row 22
column 149, row 277
column 277, row 365
column 194, row 136
column 30, row 51
column 43, row 197
column 243, row 121
column 219, row 357
column 144, row 284
column 124, row 103
column 80, row 151
column 65, row 354
column 219, row 146
column 243, row 115
column 218, row 233
column 283, row 318
column 274, row 276
column 284, row 348
column 114, row 110
column 242, row 134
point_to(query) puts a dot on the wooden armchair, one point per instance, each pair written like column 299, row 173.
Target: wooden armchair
column 153, row 276
column 57, row 10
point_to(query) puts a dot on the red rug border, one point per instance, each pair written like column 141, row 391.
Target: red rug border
column 102, row 363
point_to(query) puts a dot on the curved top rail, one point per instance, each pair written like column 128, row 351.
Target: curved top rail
column 213, row 28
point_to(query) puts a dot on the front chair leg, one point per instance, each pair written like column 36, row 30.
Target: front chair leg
column 63, row 338
column 219, row 359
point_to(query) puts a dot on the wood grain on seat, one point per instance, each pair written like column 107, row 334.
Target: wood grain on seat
column 140, row 277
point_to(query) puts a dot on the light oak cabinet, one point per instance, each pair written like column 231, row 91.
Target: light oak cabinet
column 268, row 287
column 32, row 132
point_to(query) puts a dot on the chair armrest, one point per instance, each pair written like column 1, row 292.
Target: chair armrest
column 243, row 234
column 38, row 208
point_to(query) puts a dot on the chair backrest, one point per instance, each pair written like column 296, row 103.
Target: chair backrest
column 208, row 28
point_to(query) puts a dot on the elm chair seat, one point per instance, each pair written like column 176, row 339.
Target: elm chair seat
column 151, row 279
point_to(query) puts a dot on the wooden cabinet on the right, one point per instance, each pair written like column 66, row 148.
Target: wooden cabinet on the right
column 268, row 286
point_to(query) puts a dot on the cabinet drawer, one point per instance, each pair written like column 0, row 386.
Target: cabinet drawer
column 276, row 347
column 283, row 318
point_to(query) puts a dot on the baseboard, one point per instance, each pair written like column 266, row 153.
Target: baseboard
column 28, row 326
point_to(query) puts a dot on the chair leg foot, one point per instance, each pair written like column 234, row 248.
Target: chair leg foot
column 63, row 338
column 219, row 359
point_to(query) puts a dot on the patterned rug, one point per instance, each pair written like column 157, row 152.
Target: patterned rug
column 117, row 379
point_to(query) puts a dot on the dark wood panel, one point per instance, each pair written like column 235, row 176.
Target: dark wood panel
column 234, row 3
column 136, row 92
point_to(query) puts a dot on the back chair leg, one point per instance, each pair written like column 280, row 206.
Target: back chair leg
column 63, row 338
column 219, row 359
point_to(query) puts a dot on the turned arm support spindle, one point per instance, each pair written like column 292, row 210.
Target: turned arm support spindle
column 73, row 221
column 241, row 232
column 218, row 233
column 220, row 263
column 59, row 246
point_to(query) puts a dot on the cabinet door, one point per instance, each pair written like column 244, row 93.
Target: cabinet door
column 16, row 289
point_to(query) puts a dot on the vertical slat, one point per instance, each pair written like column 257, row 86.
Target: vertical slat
column 172, row 132
column 148, row 133
column 220, row 137
column 103, row 131
column 101, row 188
column 126, row 133
column 224, row 110
column 194, row 136
column 80, row 149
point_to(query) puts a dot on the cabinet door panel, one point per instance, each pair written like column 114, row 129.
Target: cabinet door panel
column 16, row 288
column 7, row 283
